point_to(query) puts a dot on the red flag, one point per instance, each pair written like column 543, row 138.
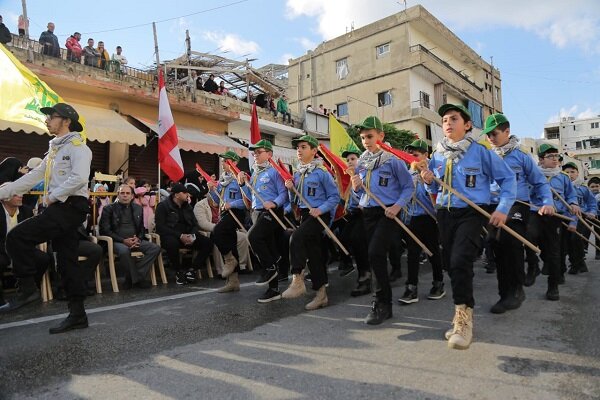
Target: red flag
column 342, row 179
column 168, row 144
column 254, row 128
column 206, row 176
column 404, row 156
column 283, row 172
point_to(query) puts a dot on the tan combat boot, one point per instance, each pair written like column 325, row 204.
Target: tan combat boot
column 229, row 264
column 319, row 301
column 296, row 289
column 232, row 284
column 450, row 331
column 463, row 328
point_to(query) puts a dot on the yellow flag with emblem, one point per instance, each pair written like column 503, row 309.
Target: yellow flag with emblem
column 22, row 94
column 340, row 141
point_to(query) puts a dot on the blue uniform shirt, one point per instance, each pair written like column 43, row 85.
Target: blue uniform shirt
column 472, row 176
column 231, row 194
column 563, row 186
column 353, row 200
column 269, row 185
column 529, row 177
column 318, row 189
column 390, row 182
column 414, row 208
column 585, row 199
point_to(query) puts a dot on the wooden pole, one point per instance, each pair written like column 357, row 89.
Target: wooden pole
column 323, row 224
column 557, row 215
column 579, row 217
column 581, row 236
column 258, row 196
column 236, row 219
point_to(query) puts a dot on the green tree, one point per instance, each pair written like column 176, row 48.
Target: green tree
column 398, row 138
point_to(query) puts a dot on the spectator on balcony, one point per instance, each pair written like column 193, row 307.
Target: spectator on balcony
column 74, row 48
column 120, row 58
column 104, row 57
column 90, row 54
column 222, row 89
column 23, row 25
column 309, row 108
column 49, row 42
column 282, row 108
column 321, row 109
column 5, row 36
column 210, row 85
column 272, row 106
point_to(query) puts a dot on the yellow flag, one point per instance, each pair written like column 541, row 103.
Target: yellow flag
column 340, row 141
column 22, row 94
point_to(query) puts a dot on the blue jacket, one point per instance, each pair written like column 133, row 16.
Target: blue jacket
column 231, row 194
column 414, row 208
column 586, row 199
column 318, row 188
column 472, row 176
column 529, row 177
column 563, row 186
column 269, row 185
column 390, row 182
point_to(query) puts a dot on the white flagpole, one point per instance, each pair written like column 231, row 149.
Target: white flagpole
column 157, row 69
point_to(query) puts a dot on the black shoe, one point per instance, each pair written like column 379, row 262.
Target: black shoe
column 499, row 307
column 583, row 268
column 308, row 277
column 70, row 323
column 379, row 313
column 22, row 299
column 573, row 270
column 190, row 276
column 346, row 269
column 269, row 296
column 144, row 284
column 512, row 301
column 266, row 276
column 561, row 279
column 362, row 288
column 552, row 293
column 410, row 295
column 395, row 274
column 180, row 278
column 532, row 273
column 437, row 291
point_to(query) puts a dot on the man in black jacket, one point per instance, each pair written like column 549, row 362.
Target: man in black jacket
column 178, row 228
column 5, row 36
column 12, row 212
column 123, row 221
column 49, row 42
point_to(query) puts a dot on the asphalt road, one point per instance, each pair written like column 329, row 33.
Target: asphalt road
column 173, row 343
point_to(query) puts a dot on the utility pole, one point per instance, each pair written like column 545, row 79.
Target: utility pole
column 248, row 81
column 29, row 49
column 188, row 46
column 157, row 74
column 493, row 88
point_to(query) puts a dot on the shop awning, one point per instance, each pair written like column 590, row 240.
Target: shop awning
column 194, row 139
column 288, row 156
column 105, row 125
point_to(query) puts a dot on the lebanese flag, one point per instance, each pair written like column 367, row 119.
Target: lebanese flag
column 168, row 144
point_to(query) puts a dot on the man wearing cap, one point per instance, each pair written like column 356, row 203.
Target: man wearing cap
column 228, row 195
column 423, row 224
column 545, row 231
column 387, row 178
column 469, row 168
column 65, row 171
column 178, row 228
column 353, row 234
column 316, row 185
column 508, row 251
column 587, row 203
column 265, row 229
column 282, row 108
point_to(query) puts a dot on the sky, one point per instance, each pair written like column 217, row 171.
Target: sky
column 547, row 51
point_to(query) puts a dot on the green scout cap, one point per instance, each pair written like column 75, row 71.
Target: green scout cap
column 545, row 147
column 371, row 122
column 306, row 138
column 262, row 144
column 458, row 107
column 492, row 122
column 230, row 155
column 418, row 144
column 351, row 148
column 570, row 165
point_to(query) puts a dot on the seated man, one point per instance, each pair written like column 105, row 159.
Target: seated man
column 178, row 228
column 123, row 221
column 13, row 212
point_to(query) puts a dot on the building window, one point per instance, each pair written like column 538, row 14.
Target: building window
column 497, row 93
column 382, row 50
column 424, row 100
column 577, row 145
column 384, row 98
column 341, row 68
column 445, row 99
column 595, row 125
column 342, row 109
column 595, row 164
column 553, row 135
column 574, row 127
column 428, row 132
column 268, row 136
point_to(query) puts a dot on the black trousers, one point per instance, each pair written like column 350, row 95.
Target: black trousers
column 93, row 253
column 460, row 230
column 396, row 250
column 508, row 251
column 43, row 261
column 306, row 246
column 263, row 239
column 545, row 232
column 426, row 229
column 354, row 238
column 382, row 232
column 224, row 235
column 58, row 223
column 202, row 245
column 576, row 246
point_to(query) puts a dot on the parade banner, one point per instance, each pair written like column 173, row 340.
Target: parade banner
column 339, row 140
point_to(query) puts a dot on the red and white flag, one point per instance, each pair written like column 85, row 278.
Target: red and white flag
column 168, row 144
column 254, row 128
